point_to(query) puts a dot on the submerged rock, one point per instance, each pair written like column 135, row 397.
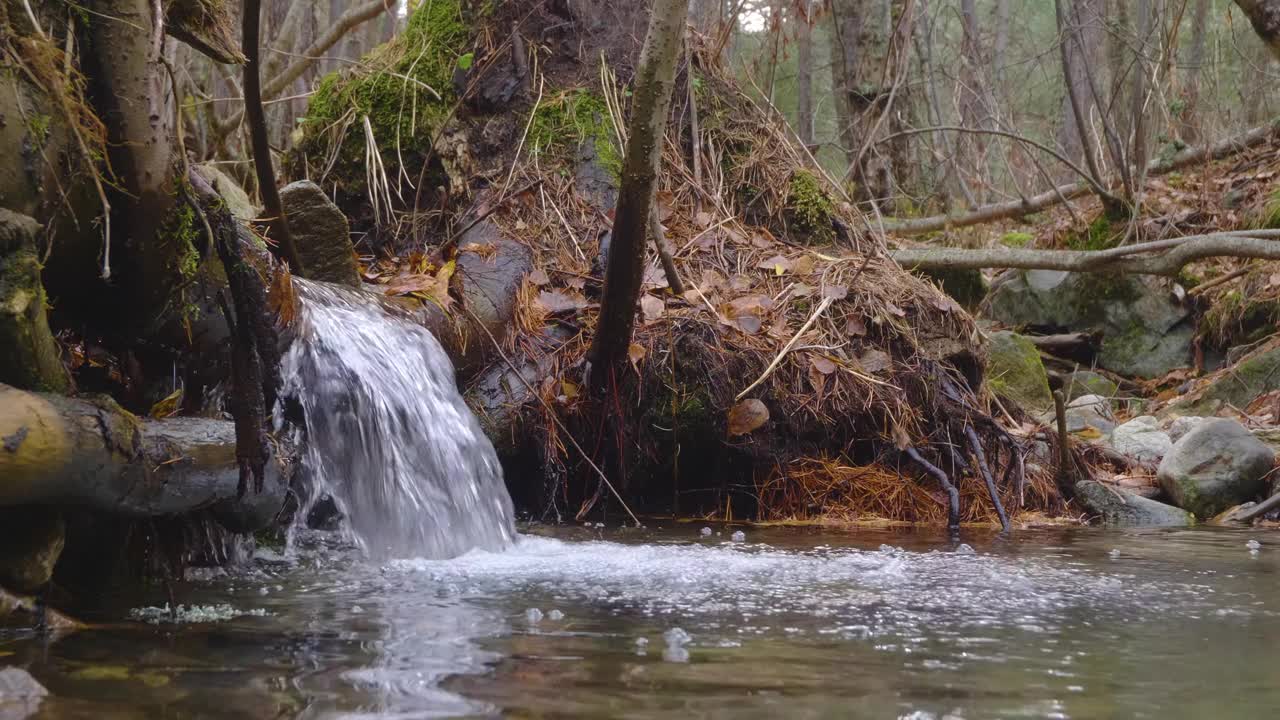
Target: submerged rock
column 1217, row 465
column 1015, row 372
column 1121, row 507
column 1142, row 439
column 1145, row 331
column 321, row 233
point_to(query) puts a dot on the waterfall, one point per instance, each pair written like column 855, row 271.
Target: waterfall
column 389, row 436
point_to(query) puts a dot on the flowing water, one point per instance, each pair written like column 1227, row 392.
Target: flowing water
column 667, row 622
column 389, row 436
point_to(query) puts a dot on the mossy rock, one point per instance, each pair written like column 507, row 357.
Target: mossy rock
column 966, row 286
column 563, row 124
column 1120, row 508
column 405, row 89
column 1257, row 374
column 810, row 209
column 1015, row 372
column 31, row 541
column 1087, row 382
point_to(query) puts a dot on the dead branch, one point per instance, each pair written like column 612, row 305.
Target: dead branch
column 953, row 495
column 1063, row 193
column 1186, row 250
column 975, row 445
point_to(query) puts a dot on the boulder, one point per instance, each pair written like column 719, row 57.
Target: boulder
column 321, row 233
column 1015, row 373
column 1182, row 425
column 234, row 196
column 1257, row 374
column 31, row 541
column 1090, row 411
column 1217, row 465
column 1121, row 507
column 1145, row 331
column 490, row 271
column 1141, row 439
column 1087, row 382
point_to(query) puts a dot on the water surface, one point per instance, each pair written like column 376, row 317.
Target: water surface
column 665, row 622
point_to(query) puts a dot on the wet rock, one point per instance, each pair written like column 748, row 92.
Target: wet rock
column 593, row 181
column 490, row 271
column 1087, row 382
column 1146, row 332
column 1142, row 439
column 20, row 694
column 31, row 541
column 1121, row 507
column 1215, row 466
column 234, row 196
column 1015, row 373
column 321, row 233
column 1090, row 411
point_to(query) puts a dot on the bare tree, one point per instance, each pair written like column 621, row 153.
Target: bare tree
column 804, row 71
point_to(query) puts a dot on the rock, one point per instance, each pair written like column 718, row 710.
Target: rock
column 1015, row 373
column 29, row 357
column 1087, row 382
column 1090, row 411
column 1121, row 507
column 967, row 287
column 1145, row 331
column 20, row 694
column 233, row 195
column 594, row 182
column 1257, row 374
column 1142, row 439
column 1215, row 466
column 490, row 271
column 1183, row 425
column 321, row 234
column 31, row 541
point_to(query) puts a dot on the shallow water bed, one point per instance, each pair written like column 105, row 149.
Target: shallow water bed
column 592, row 623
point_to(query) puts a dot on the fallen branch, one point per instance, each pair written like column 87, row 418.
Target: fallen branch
column 1116, row 260
column 1071, row 191
column 953, row 495
column 976, row 446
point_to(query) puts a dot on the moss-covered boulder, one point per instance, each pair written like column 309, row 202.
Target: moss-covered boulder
column 1015, row 372
column 236, row 199
column 29, row 356
column 1086, row 382
column 1218, row 465
column 1256, row 374
column 1145, row 331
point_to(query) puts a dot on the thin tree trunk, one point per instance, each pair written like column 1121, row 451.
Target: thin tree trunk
column 1071, row 36
column 804, row 73
column 1138, row 143
column 624, row 271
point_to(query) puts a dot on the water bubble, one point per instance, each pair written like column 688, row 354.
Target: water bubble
column 642, row 641
column 965, row 549
column 555, row 615
column 1253, row 545
column 706, row 531
column 676, row 637
column 1115, row 553
column 533, row 615
column 739, row 536
column 675, row 654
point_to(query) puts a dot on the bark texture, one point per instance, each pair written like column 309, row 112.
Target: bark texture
column 28, row 354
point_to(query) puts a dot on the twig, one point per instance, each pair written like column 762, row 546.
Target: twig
column 550, row 412
column 822, row 307
column 953, row 495
column 664, row 254
column 976, row 446
column 515, row 159
column 1218, row 281
column 1065, row 466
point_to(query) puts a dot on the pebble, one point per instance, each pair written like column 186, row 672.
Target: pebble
column 706, row 532
column 676, row 637
column 965, row 549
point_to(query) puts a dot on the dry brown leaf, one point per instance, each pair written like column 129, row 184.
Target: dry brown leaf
column 636, row 353
column 875, row 360
column 739, row 283
column 777, row 265
column 855, row 327
column 822, row 364
column 894, row 310
column 747, row 416
column 651, row 307
column 803, row 265
column 835, row 292
column 802, row 290
column 409, row 283
column 702, row 219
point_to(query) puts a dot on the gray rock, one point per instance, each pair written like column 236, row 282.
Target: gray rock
column 1257, row 374
column 1015, row 372
column 1121, row 507
column 1087, row 382
column 31, row 541
column 20, row 694
column 1182, row 425
column 490, row 271
column 1090, row 411
column 321, row 233
column 1145, row 331
column 234, row 196
column 1142, row 439
column 1217, row 465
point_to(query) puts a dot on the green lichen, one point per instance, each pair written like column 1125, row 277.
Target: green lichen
column 1099, row 235
column 404, row 87
column 1016, row 239
column 563, row 124
column 809, row 208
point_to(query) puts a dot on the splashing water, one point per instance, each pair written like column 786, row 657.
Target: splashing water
column 389, row 436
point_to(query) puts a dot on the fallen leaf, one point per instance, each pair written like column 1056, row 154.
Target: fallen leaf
column 702, row 219
column 822, row 364
column 556, row 301
column 409, row 283
column 651, row 307
column 636, row 353
column 803, row 265
column 539, row 277
column 655, row 277
column 568, row 389
column 777, row 264
column 855, row 326
column 875, row 360
column 895, row 310
column 835, row 292
column 739, row 283
column 802, row 290
column 167, row 407
column 576, row 283
column 747, row 416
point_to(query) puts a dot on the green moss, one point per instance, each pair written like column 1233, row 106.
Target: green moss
column 1269, row 217
column 1100, row 235
column 38, row 126
column 809, row 208
column 561, row 125
column 405, row 88
column 1015, row 372
column 1235, row 319
column 1016, row 239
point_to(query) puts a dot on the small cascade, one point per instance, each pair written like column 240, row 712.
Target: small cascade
column 389, row 436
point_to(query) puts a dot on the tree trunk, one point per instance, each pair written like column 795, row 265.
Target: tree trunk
column 655, row 79
column 64, row 451
column 1264, row 15
column 1190, row 130
column 804, row 73
column 1138, row 146
column 1079, row 29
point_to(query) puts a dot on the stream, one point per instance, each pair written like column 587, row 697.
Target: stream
column 663, row 621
